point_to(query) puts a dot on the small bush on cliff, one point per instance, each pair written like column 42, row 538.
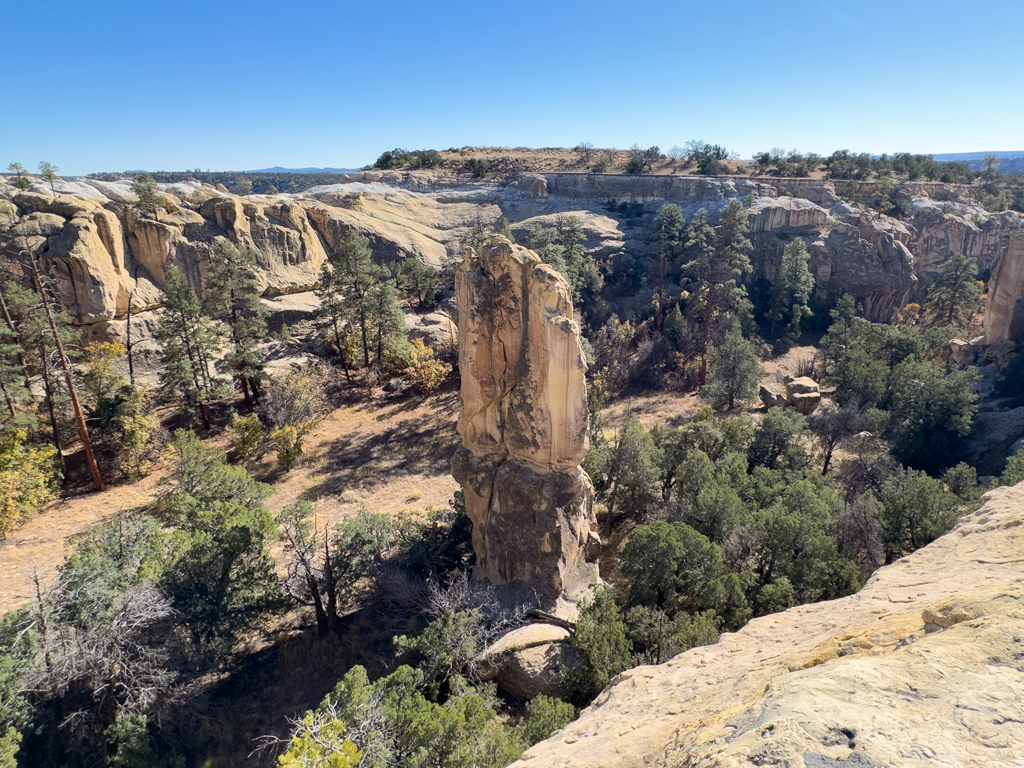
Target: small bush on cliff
column 601, row 641
column 544, row 716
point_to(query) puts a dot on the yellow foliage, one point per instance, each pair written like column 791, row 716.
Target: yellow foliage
column 289, row 442
column 247, row 436
column 319, row 743
column 100, row 379
column 28, row 479
column 425, row 372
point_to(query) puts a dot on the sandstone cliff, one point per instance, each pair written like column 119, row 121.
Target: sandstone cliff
column 923, row 667
column 523, row 425
column 100, row 242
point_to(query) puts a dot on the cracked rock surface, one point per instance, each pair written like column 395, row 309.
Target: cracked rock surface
column 524, row 425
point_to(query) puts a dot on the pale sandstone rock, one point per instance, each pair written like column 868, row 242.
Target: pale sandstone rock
column 923, row 667
column 435, row 329
column 803, row 394
column 771, row 398
column 1003, row 308
column 786, row 214
column 392, row 235
column 523, row 425
column 530, row 661
column 883, row 262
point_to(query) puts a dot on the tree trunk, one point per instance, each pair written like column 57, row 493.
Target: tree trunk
column 341, row 352
column 48, row 394
column 366, row 343
column 242, row 378
column 330, row 586
column 195, row 375
column 7, row 399
column 128, row 341
column 83, row 432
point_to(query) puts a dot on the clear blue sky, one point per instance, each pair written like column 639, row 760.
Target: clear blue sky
column 104, row 85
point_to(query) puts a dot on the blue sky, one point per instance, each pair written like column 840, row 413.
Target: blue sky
column 104, row 85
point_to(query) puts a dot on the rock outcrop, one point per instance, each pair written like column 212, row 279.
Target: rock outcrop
column 530, row 661
column 803, row 394
column 523, row 425
column 923, row 667
column 884, row 262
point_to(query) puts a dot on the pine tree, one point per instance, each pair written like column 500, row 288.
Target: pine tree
column 49, row 173
column 835, row 344
column 670, row 226
column 792, row 289
column 735, row 371
column 580, row 267
column 21, row 182
column 146, row 190
column 720, row 259
column 360, row 295
column 953, row 298
column 13, row 377
column 232, row 296
column 35, row 340
column 189, row 342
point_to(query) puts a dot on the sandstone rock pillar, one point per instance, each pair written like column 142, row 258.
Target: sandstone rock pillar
column 524, row 425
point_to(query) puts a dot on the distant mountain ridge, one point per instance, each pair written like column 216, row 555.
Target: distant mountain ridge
column 279, row 169
column 969, row 156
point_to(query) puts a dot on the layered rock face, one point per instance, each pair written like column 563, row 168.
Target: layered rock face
column 923, row 667
column 103, row 249
column 523, row 425
column 100, row 243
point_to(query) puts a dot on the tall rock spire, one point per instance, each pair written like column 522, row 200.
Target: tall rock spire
column 524, row 425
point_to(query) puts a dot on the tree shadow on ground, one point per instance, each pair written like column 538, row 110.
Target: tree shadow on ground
column 422, row 443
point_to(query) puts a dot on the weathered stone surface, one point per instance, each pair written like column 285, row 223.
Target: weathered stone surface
column 803, row 394
column 530, row 661
column 787, row 215
column 922, row 667
column 435, row 329
column 1004, row 313
column 883, row 262
column 523, row 424
column 771, row 398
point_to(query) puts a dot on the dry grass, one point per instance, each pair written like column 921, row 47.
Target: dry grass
column 41, row 544
column 666, row 409
column 391, row 454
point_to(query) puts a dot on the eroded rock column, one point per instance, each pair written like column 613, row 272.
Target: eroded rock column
column 524, row 425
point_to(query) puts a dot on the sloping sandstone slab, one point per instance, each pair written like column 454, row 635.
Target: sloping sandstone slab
column 922, row 667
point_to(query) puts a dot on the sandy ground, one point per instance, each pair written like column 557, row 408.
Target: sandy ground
column 391, row 454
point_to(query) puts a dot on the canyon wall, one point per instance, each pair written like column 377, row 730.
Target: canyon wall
column 103, row 249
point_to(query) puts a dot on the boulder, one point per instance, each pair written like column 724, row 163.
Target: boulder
column 530, row 661
column 803, row 394
column 523, row 425
column 771, row 398
column 922, row 667
column 435, row 329
column 960, row 352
